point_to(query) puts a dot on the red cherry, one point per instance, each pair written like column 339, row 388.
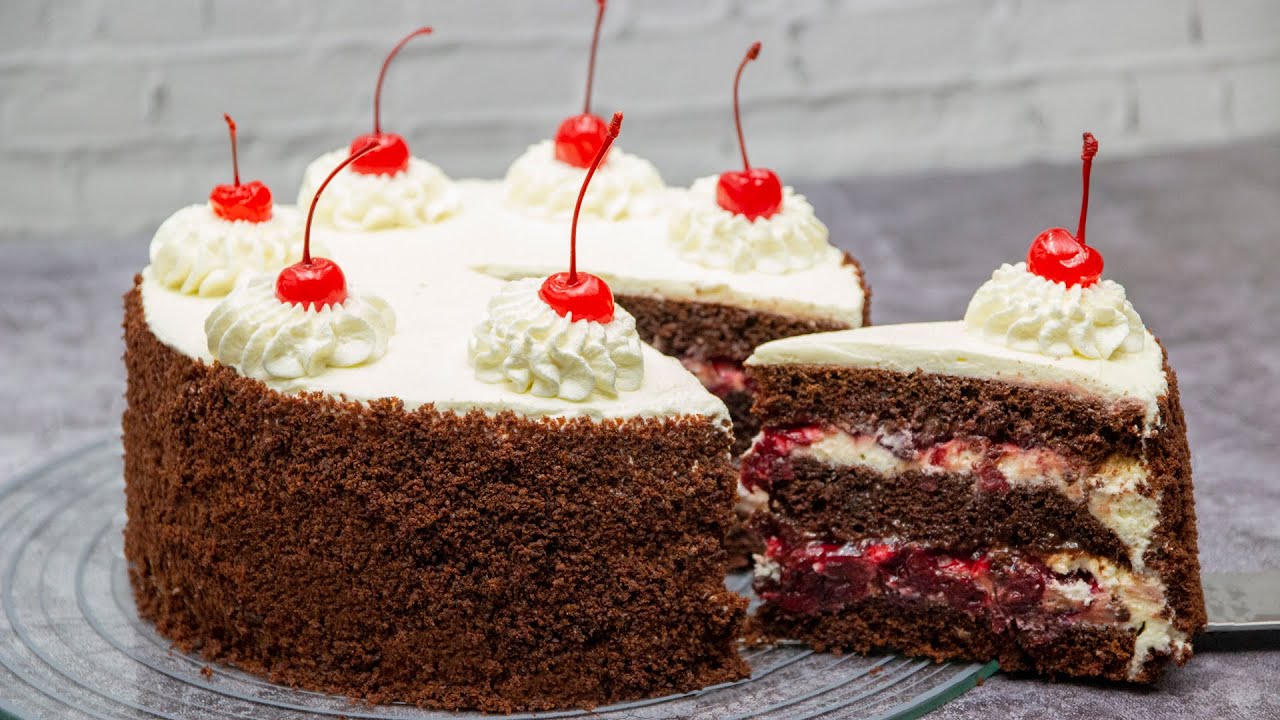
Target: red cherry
column 316, row 282
column 754, row 193
column 587, row 297
column 579, row 137
column 250, row 202
column 391, row 154
column 1058, row 256
column 751, row 192
column 584, row 295
column 312, row 283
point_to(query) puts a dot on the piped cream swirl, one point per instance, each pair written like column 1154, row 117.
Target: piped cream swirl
column 707, row 234
column 420, row 195
column 1021, row 310
column 263, row 338
column 624, row 186
column 530, row 347
column 195, row 252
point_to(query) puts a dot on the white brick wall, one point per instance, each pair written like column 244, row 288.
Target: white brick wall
column 110, row 109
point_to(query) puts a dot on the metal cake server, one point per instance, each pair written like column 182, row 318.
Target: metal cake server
column 1239, row 602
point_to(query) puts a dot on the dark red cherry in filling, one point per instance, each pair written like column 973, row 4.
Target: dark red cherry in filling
column 587, row 299
column 752, row 193
column 249, row 201
column 316, row 283
column 389, row 156
column 1057, row 256
column 579, row 139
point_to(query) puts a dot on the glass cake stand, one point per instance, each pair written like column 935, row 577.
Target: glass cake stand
column 72, row 646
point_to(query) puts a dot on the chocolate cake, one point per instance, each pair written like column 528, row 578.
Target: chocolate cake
column 1016, row 486
column 458, row 492
column 458, row 560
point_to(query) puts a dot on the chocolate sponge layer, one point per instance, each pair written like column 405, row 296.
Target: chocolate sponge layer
column 455, row 561
column 715, row 331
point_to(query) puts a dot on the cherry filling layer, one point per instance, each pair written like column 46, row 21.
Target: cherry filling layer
column 721, row 378
column 1003, row 586
column 994, row 466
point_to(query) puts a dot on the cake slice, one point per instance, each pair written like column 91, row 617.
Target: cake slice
column 1015, row 486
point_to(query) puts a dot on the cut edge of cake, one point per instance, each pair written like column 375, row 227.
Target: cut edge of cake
column 936, row 482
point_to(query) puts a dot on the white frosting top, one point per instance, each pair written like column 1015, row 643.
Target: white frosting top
column 705, row 233
column 419, row 195
column 632, row 257
column 948, row 348
column 1024, row 311
column 624, row 186
column 263, row 338
column 198, row 253
column 532, row 348
column 426, row 275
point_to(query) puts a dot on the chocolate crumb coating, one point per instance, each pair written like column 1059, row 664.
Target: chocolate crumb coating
column 448, row 560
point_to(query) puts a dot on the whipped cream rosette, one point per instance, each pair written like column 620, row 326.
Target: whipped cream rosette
column 1024, row 311
column 532, row 348
column 790, row 239
column 417, row 195
column 204, row 250
column 264, row 338
column 542, row 185
column 197, row 252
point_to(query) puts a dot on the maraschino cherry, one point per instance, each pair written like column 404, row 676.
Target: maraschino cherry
column 1055, row 254
column 391, row 152
column 250, row 202
column 750, row 192
column 316, row 281
column 579, row 138
column 580, row 293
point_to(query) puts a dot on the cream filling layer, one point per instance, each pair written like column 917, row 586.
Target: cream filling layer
column 1112, row 494
column 1143, row 595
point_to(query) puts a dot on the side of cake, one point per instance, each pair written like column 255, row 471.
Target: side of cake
column 372, row 475
column 1016, row 486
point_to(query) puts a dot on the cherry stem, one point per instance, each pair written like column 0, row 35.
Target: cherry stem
column 235, row 160
column 377, row 94
column 1086, row 155
column 615, row 126
column 306, row 236
column 591, row 64
column 753, row 52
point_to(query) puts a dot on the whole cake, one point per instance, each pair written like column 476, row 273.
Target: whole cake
column 1015, row 486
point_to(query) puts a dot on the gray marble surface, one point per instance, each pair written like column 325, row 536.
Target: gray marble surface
column 1193, row 237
